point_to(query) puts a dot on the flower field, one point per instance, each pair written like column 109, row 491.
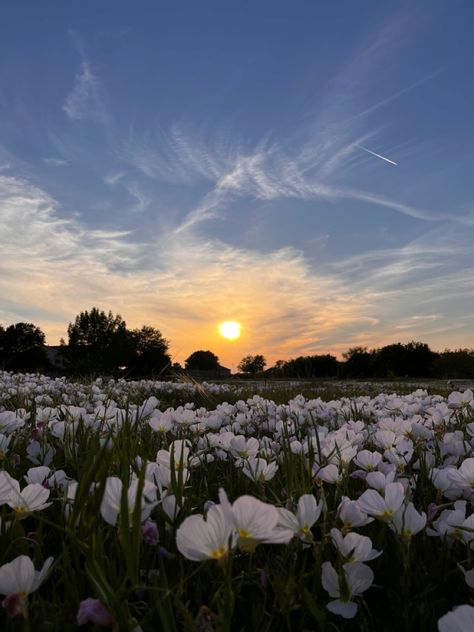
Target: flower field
column 169, row 506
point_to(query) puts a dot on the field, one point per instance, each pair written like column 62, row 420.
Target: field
column 248, row 506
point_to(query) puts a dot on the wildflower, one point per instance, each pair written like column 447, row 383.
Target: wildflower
column 212, row 537
column 382, row 507
column 255, row 522
column 407, row 521
column 367, row 460
column 93, row 611
column 354, row 547
column 351, row 514
column 32, row 498
column 453, row 524
column 149, row 532
column 17, row 580
column 112, row 498
column 307, row 513
column 357, row 578
column 329, row 474
column 468, row 576
column 461, row 619
column 243, row 448
column 464, row 476
column 460, row 400
column 259, row 470
column 4, row 444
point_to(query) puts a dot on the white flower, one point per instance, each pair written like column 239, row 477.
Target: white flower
column 37, row 474
column 468, row 576
column 461, row 619
column 32, row 498
column 307, row 513
column 407, row 521
column 244, row 448
column 259, row 470
column 111, row 501
column 382, row 507
column 329, row 474
column 354, row 547
column 18, row 579
column 367, row 460
column 453, row 523
column 212, row 537
column 358, row 577
column 351, row 514
column 254, row 521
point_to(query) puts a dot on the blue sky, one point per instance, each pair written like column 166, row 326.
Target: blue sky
column 184, row 163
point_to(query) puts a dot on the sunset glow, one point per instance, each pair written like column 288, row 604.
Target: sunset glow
column 230, row 330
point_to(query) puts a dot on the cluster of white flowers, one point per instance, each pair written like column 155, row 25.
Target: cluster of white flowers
column 374, row 441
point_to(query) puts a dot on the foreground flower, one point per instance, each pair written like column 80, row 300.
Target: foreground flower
column 461, row 619
column 255, row 522
column 17, row 580
column 358, row 577
column 93, row 611
column 306, row 515
column 112, row 499
column 209, row 538
column 354, row 547
column 382, row 507
column 351, row 514
column 31, row 498
column 406, row 522
column 259, row 470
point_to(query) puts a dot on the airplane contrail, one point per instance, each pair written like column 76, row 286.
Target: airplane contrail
column 377, row 155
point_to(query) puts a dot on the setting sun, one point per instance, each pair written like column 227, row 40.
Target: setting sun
column 230, row 330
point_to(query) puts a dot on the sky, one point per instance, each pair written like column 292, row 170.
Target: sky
column 304, row 168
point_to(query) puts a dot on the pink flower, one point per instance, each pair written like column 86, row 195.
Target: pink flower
column 149, row 532
column 94, row 611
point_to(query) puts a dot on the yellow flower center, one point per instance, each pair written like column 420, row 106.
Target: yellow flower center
column 219, row 553
column 243, row 533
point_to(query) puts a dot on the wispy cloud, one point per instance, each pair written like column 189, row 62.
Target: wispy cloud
column 55, row 162
column 190, row 287
column 83, row 101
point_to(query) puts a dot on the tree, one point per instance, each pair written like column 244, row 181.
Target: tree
column 22, row 347
column 312, row 366
column 150, row 355
column 202, row 361
column 252, row 364
column 98, row 342
column 414, row 359
column 359, row 362
column 455, row 364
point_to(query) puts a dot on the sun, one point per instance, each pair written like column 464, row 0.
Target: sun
column 230, row 330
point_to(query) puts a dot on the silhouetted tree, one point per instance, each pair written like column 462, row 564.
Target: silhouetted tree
column 455, row 364
column 98, row 342
column 22, row 347
column 414, row 359
column 359, row 362
column 312, row 366
column 202, row 361
column 149, row 352
column 252, row 364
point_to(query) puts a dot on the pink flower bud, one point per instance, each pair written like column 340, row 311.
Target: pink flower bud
column 94, row 611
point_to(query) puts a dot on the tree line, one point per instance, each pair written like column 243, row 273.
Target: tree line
column 100, row 343
column 413, row 359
